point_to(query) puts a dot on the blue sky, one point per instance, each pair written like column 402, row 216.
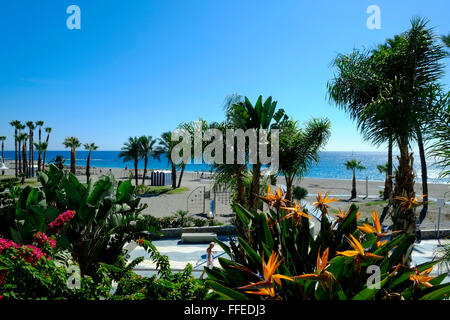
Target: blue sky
column 142, row 67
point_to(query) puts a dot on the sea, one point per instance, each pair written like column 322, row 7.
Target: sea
column 330, row 166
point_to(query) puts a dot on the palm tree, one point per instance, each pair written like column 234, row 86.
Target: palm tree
column 357, row 85
column 39, row 124
column 40, row 147
column 390, row 85
column 131, row 151
column 31, row 127
column 354, row 165
column 19, row 144
column 15, row 124
column 384, row 169
column 89, row 147
column 166, row 146
column 48, row 130
column 257, row 117
column 23, row 138
column 299, row 148
column 73, row 143
column 147, row 144
column 2, row 139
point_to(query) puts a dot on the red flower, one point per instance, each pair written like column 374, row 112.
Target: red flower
column 56, row 225
column 41, row 239
column 6, row 244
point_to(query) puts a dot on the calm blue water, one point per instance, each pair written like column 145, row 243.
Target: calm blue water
column 331, row 165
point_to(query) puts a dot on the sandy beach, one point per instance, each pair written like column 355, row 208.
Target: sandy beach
column 191, row 199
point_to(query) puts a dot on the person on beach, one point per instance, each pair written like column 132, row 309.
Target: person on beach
column 209, row 259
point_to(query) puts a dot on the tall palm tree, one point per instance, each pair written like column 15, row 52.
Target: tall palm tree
column 166, row 146
column 390, row 84
column 131, row 151
column 259, row 116
column 354, row 165
column 39, row 124
column 89, row 147
column 2, row 139
column 48, row 130
column 358, row 83
column 31, row 127
column 40, row 148
column 299, row 148
column 23, row 138
column 19, row 144
column 147, row 145
column 15, row 124
column 73, row 143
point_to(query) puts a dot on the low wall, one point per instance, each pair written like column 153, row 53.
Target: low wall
column 431, row 234
column 227, row 230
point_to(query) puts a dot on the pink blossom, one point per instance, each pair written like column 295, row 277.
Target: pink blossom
column 56, row 225
column 6, row 244
column 41, row 239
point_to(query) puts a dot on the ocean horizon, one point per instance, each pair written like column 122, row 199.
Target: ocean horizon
column 330, row 166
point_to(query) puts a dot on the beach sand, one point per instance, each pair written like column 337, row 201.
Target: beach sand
column 191, row 200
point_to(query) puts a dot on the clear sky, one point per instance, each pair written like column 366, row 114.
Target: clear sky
column 142, row 67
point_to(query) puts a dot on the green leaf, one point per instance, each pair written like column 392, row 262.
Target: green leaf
column 225, row 292
column 438, row 294
column 369, row 292
column 252, row 254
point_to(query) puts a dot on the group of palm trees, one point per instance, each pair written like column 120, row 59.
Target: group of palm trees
column 137, row 148
column 394, row 95
column 73, row 143
column 24, row 147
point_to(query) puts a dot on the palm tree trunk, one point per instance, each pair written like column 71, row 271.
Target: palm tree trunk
column 39, row 160
column 181, row 175
column 353, row 196
column 240, row 187
column 24, row 158
column 19, row 149
column 136, row 171
column 40, row 150
column 72, row 161
column 31, row 164
column 404, row 187
column 174, row 177
column 145, row 170
column 88, row 167
column 45, row 151
column 289, row 182
column 255, row 185
column 15, row 153
column 388, row 182
column 423, row 164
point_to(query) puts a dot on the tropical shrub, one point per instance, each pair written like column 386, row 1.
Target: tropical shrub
column 336, row 264
column 103, row 216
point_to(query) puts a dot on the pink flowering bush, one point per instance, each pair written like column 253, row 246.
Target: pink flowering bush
column 42, row 240
column 59, row 223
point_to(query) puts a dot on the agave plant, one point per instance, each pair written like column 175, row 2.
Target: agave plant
column 335, row 264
